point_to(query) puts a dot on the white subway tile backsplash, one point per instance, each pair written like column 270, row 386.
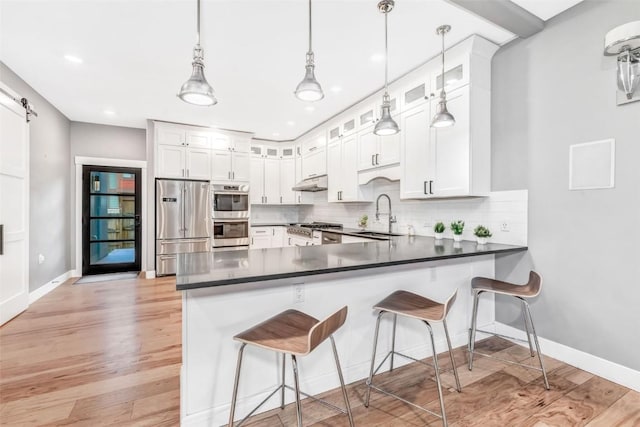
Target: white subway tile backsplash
column 503, row 206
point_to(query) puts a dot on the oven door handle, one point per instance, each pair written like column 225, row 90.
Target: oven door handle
column 226, row 220
column 230, row 193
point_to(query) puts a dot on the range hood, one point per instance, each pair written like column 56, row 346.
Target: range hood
column 313, row 184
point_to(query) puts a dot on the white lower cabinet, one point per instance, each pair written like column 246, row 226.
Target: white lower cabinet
column 267, row 237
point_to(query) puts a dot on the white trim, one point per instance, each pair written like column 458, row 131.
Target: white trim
column 596, row 365
column 49, row 286
column 150, row 274
column 101, row 161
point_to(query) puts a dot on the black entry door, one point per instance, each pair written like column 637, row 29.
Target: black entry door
column 111, row 235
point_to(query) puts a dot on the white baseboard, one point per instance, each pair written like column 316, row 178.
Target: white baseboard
column 150, row 274
column 596, row 365
column 49, row 286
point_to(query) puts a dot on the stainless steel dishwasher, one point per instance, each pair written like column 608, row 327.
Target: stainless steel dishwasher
column 329, row 238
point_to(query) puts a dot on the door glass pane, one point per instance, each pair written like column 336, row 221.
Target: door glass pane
column 112, row 205
column 334, row 133
column 112, row 253
column 112, row 229
column 350, row 125
column 366, row 117
column 112, row 183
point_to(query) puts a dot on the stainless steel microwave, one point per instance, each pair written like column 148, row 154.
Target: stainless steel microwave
column 230, row 201
column 228, row 232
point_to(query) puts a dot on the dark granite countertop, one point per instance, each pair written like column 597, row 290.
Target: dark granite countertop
column 201, row 270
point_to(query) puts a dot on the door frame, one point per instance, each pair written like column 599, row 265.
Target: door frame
column 81, row 161
column 87, row 267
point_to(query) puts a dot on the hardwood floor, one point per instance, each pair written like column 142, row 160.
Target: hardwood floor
column 105, row 353
column 109, row 353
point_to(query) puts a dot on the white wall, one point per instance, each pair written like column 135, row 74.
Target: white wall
column 94, row 140
column 549, row 91
column 50, row 169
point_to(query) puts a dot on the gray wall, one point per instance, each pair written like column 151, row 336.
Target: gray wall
column 49, row 185
column 549, row 91
column 94, row 140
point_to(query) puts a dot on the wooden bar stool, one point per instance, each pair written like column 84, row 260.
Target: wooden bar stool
column 521, row 292
column 297, row 334
column 411, row 305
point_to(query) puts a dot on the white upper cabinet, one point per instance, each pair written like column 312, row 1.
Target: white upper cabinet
column 342, row 158
column 168, row 134
column 256, row 183
column 230, row 158
column 170, row 161
column 287, row 181
column 199, row 153
column 368, row 148
column 452, row 161
column 314, row 156
column 182, row 152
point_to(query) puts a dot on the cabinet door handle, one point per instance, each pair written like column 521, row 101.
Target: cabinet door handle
column 425, row 187
column 372, row 163
column 233, row 174
column 280, row 199
column 298, row 199
column 182, row 172
column 187, row 173
column 430, row 189
column 252, row 240
column 377, row 159
column 1, row 239
column 289, row 241
column 313, row 148
column 265, row 199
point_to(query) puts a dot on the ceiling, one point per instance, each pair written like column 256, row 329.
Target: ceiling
column 137, row 53
column 546, row 9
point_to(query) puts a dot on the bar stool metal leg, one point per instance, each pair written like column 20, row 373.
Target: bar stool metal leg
column 235, row 385
column 393, row 340
column 373, row 360
column 453, row 362
column 526, row 327
column 294, row 363
column 535, row 338
column 344, row 389
column 437, row 369
column 472, row 334
column 283, row 381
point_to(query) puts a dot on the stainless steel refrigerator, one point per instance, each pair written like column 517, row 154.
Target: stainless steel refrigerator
column 183, row 221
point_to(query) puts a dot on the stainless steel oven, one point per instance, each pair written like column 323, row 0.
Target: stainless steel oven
column 230, row 232
column 230, row 201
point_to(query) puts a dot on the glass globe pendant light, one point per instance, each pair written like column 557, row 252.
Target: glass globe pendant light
column 386, row 125
column 443, row 117
column 197, row 90
column 309, row 89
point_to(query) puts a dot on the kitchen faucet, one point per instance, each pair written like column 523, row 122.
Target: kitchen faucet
column 392, row 218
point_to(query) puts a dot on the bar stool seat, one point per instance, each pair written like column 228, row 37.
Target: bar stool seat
column 408, row 304
column 287, row 332
column 294, row 333
column 412, row 305
column 531, row 289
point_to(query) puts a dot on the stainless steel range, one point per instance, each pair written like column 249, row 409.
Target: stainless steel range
column 302, row 234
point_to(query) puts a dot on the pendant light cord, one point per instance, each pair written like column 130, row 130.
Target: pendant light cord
column 442, row 93
column 198, row 25
column 310, row 50
column 386, row 55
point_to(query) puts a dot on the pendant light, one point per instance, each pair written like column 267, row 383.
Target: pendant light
column 309, row 89
column 443, row 117
column 197, row 90
column 386, row 125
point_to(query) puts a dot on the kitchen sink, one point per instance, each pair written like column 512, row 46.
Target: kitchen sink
column 376, row 234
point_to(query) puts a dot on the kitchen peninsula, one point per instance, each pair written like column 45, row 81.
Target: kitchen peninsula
column 226, row 292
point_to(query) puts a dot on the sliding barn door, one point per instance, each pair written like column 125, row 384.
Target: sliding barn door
column 14, row 207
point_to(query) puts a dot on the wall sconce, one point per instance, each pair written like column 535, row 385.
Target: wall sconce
column 624, row 41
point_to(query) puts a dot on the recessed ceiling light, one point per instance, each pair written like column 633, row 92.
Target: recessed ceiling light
column 73, row 59
column 291, row 123
column 377, row 57
column 336, row 89
column 309, row 108
column 110, row 112
column 276, row 134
